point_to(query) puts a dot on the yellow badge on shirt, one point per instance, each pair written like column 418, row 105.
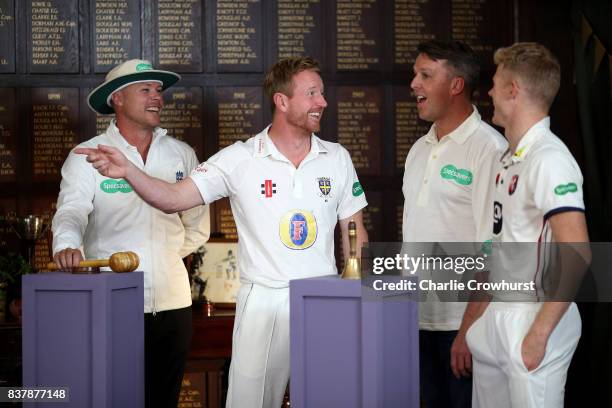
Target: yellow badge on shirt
column 298, row 229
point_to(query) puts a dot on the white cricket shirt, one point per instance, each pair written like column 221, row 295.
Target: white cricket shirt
column 539, row 180
column 448, row 190
column 285, row 216
column 105, row 216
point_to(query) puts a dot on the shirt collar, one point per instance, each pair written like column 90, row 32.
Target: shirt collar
column 264, row 146
column 529, row 138
column 461, row 133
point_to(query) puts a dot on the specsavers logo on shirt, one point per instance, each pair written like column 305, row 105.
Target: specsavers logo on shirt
column 112, row 186
column 460, row 176
column 357, row 189
column 298, row 229
column 563, row 189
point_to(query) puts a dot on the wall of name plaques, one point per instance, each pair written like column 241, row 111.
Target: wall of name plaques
column 54, row 52
column 299, row 28
column 54, row 130
column 358, row 37
column 53, row 36
column 359, row 126
column 7, row 32
column 116, row 33
column 8, row 137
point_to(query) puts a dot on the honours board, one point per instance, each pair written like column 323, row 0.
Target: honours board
column 54, row 52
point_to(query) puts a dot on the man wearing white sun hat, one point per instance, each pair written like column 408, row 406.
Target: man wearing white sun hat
column 104, row 215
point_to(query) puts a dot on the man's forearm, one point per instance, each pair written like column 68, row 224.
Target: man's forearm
column 197, row 229
column 547, row 319
column 168, row 197
column 155, row 192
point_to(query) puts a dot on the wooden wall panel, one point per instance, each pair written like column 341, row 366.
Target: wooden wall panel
column 54, row 52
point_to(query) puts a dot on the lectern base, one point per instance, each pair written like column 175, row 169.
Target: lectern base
column 350, row 352
column 85, row 332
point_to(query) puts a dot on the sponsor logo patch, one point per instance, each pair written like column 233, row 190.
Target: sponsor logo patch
column 513, row 183
column 459, row 176
column 113, row 186
column 357, row 189
column 260, row 146
column 519, row 152
column 487, row 247
column 143, row 67
column 268, row 188
column 298, row 229
column 563, row 189
column 179, row 175
column 202, row 168
column 498, row 218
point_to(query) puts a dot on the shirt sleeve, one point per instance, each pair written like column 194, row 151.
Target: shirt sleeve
column 74, row 204
column 352, row 195
column 556, row 182
column 196, row 221
column 216, row 177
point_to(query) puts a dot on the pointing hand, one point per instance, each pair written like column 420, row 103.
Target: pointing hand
column 109, row 161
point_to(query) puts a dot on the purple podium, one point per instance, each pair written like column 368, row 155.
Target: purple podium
column 353, row 350
column 85, row 332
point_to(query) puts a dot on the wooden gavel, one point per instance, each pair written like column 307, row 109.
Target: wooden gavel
column 119, row 262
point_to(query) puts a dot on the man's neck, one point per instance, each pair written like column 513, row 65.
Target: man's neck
column 518, row 127
column 454, row 117
column 136, row 136
column 290, row 142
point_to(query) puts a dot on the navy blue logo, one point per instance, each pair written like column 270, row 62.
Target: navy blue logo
column 179, row 175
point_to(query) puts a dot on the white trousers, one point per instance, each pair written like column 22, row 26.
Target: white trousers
column 259, row 370
column 500, row 378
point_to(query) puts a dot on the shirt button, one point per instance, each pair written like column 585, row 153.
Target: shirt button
column 434, row 157
column 425, row 181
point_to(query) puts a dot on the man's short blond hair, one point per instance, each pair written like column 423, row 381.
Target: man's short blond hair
column 279, row 77
column 538, row 69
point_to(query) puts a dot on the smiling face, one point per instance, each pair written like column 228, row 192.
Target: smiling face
column 306, row 104
column 431, row 85
column 140, row 104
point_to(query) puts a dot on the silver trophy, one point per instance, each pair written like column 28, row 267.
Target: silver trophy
column 29, row 229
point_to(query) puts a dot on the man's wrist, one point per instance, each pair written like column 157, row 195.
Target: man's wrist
column 539, row 333
column 130, row 171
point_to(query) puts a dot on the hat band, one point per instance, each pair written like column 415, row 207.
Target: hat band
column 108, row 99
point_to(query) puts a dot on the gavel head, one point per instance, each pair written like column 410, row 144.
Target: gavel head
column 124, row 261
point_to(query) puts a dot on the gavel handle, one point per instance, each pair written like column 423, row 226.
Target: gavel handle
column 83, row 264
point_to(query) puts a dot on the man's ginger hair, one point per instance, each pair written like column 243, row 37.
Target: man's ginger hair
column 279, row 77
